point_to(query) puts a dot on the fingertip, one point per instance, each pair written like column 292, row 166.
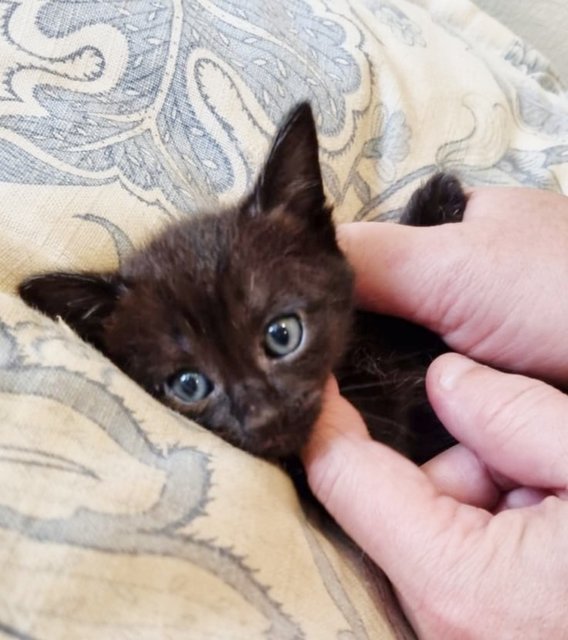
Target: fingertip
column 460, row 474
column 338, row 414
column 447, row 372
column 520, row 498
column 513, row 423
column 337, row 419
column 331, row 388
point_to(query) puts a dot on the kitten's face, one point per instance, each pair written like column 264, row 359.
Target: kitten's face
column 236, row 318
column 243, row 340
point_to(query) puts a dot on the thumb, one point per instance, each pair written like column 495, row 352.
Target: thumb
column 383, row 501
column 516, row 425
column 395, row 273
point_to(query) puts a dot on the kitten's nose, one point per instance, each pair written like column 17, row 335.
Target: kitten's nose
column 252, row 406
column 257, row 417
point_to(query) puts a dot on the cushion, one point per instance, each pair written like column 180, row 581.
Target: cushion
column 118, row 517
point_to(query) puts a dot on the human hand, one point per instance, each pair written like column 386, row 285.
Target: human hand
column 475, row 541
column 493, row 286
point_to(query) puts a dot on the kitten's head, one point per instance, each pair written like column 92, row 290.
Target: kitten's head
column 234, row 318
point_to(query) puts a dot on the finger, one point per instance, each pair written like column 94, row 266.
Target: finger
column 520, row 498
column 460, row 474
column 389, row 253
column 464, row 281
column 383, row 501
column 516, row 425
column 396, row 275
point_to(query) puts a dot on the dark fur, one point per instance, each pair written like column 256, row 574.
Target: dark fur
column 200, row 295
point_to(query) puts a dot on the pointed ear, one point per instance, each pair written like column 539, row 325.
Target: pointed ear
column 291, row 176
column 82, row 300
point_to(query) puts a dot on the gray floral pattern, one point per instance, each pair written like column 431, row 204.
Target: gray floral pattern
column 532, row 64
column 146, row 131
column 397, row 21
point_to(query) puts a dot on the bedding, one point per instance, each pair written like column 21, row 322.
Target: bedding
column 543, row 24
column 118, row 517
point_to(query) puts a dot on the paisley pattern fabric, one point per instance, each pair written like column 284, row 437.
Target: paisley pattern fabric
column 119, row 518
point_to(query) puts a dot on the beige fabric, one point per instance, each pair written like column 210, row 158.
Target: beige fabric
column 118, row 518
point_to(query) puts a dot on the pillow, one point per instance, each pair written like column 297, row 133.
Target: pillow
column 118, row 517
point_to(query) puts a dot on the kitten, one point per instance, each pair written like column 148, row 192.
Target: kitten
column 236, row 318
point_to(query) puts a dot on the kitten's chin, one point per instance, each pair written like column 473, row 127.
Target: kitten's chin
column 289, row 437
column 277, row 446
column 279, row 440
column 272, row 431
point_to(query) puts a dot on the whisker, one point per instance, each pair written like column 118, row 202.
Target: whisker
column 363, row 385
column 384, row 420
column 393, row 382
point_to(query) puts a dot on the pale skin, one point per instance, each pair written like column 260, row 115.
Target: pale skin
column 476, row 541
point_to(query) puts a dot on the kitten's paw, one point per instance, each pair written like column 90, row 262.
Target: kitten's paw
column 441, row 199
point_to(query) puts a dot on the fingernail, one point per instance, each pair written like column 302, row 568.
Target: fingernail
column 453, row 368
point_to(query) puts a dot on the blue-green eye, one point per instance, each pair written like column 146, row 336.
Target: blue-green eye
column 189, row 386
column 283, row 336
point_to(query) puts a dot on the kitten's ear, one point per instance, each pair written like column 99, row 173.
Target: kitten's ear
column 291, row 176
column 82, row 300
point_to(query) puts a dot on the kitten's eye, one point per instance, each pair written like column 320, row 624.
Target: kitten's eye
column 189, row 386
column 283, row 336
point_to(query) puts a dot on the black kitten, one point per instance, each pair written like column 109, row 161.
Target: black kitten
column 236, row 318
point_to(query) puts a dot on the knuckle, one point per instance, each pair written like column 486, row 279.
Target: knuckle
column 513, row 410
column 326, row 477
column 455, row 272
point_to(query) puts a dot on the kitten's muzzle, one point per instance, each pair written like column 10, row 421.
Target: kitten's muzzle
column 253, row 405
column 268, row 424
column 256, row 417
column 281, row 436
